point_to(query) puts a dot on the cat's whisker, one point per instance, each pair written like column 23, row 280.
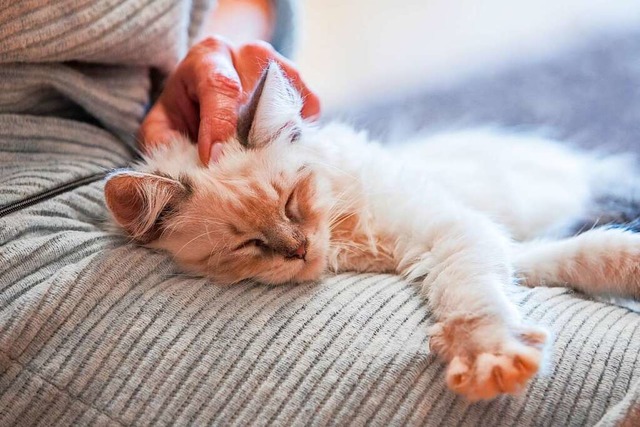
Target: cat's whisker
column 338, row 207
column 343, row 211
column 339, row 219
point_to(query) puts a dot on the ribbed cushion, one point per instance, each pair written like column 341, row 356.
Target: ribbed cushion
column 94, row 330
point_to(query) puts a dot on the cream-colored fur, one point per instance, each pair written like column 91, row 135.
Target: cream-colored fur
column 458, row 214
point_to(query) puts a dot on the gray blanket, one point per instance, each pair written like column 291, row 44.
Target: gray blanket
column 97, row 331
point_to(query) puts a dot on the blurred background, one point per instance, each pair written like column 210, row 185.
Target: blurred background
column 567, row 68
column 357, row 51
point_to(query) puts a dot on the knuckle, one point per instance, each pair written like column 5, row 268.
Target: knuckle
column 221, row 124
column 221, row 83
column 221, row 120
column 205, row 47
column 209, row 42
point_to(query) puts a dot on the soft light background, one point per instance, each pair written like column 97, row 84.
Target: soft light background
column 357, row 51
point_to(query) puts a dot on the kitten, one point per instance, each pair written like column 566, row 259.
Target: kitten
column 459, row 214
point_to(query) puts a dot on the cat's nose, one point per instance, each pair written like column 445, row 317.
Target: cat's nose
column 300, row 252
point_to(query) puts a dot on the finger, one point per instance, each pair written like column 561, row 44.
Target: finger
column 311, row 106
column 184, row 112
column 250, row 61
column 218, row 92
column 173, row 115
column 157, row 128
column 311, row 101
column 218, row 113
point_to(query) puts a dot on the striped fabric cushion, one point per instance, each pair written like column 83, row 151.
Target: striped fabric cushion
column 96, row 331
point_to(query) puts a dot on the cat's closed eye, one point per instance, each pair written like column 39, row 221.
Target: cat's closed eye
column 258, row 243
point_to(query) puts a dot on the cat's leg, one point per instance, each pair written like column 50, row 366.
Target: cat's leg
column 599, row 261
column 479, row 332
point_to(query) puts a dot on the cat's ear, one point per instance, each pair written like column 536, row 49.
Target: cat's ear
column 140, row 201
column 274, row 107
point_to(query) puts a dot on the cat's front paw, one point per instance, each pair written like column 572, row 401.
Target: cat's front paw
column 486, row 359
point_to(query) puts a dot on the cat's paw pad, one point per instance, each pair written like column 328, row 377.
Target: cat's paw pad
column 486, row 375
column 487, row 360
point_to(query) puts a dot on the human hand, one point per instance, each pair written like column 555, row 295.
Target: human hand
column 202, row 97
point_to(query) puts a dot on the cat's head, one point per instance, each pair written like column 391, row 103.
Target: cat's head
column 258, row 211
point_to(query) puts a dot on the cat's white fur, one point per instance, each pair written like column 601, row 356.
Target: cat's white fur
column 461, row 214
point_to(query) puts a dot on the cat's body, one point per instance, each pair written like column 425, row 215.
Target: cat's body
column 458, row 214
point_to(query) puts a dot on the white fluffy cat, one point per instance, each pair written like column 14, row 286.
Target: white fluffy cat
column 461, row 215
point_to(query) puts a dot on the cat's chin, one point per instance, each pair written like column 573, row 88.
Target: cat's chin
column 311, row 271
column 316, row 264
